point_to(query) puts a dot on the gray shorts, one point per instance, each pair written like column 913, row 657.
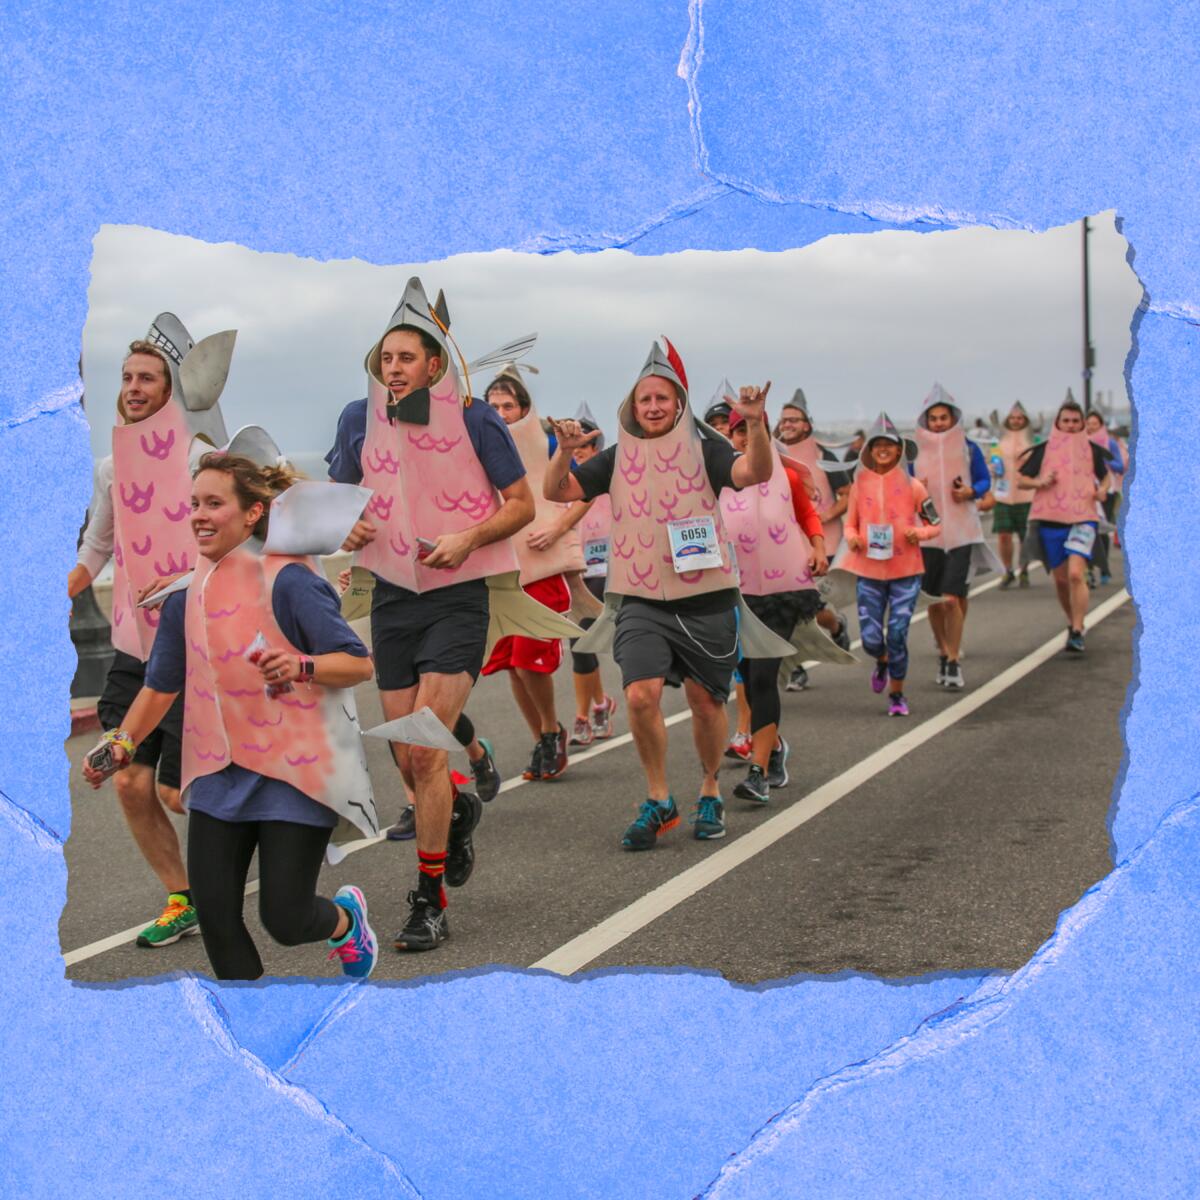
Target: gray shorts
column 654, row 642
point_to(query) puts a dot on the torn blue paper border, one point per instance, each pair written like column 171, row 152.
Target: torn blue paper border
column 655, row 127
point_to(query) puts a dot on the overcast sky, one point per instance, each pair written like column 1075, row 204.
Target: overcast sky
column 861, row 322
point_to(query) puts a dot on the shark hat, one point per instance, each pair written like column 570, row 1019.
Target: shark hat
column 198, row 373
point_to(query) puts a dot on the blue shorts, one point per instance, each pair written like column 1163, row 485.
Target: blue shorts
column 1054, row 543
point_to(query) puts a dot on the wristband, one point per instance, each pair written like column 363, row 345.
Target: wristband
column 308, row 669
column 120, row 738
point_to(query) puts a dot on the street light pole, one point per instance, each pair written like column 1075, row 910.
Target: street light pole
column 1089, row 355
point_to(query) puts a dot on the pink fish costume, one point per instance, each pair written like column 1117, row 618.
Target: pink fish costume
column 808, row 454
column 881, row 510
column 942, row 458
column 308, row 737
column 595, row 530
column 566, row 554
column 152, row 478
column 772, row 551
column 418, row 460
column 1011, row 445
column 1072, row 499
column 665, row 516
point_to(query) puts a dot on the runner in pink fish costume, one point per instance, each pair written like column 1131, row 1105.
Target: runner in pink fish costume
column 167, row 417
column 272, row 754
column 1068, row 476
column 546, row 550
column 671, row 607
column 593, row 520
column 1097, row 430
column 780, row 547
column 1010, row 517
column 449, row 493
column 888, row 517
column 794, row 433
column 955, row 474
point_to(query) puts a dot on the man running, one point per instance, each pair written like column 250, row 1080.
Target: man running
column 160, row 437
column 1010, row 517
column 671, row 576
column 450, row 490
column 1068, row 476
column 956, row 476
column 545, row 552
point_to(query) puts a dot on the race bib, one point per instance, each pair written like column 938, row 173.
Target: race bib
column 595, row 558
column 694, row 545
column 1081, row 539
column 879, row 541
column 1001, row 489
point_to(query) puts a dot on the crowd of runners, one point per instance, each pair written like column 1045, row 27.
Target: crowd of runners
column 709, row 553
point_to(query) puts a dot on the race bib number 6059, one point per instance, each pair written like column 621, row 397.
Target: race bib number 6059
column 694, row 545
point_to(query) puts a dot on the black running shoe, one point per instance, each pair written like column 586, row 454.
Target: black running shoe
column 754, row 786
column 1075, row 641
column 426, row 927
column 777, row 775
column 798, row 680
column 534, row 770
column 460, row 850
column 487, row 777
column 842, row 637
column 405, row 827
column 554, row 753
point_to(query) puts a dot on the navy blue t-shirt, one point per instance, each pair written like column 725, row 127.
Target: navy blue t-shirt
column 309, row 614
column 489, row 436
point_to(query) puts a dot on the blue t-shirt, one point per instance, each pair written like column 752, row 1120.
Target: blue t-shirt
column 489, row 436
column 309, row 614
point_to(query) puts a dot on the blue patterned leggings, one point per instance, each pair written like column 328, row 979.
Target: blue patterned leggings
column 887, row 634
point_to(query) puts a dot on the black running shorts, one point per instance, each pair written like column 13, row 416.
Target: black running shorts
column 947, row 572
column 440, row 632
column 654, row 642
column 164, row 747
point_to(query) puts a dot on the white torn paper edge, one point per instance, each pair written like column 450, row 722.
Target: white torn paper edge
column 421, row 728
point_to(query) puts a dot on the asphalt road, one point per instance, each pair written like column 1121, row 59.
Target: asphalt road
column 957, row 855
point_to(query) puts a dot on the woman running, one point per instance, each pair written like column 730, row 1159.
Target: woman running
column 888, row 516
column 272, row 754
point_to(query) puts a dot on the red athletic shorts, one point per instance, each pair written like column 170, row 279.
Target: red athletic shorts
column 534, row 654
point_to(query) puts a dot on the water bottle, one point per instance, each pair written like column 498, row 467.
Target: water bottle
column 997, row 466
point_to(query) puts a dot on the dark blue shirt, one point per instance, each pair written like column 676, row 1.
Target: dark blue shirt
column 489, row 436
column 309, row 614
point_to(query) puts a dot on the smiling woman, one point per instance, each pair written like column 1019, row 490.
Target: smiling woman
column 261, row 765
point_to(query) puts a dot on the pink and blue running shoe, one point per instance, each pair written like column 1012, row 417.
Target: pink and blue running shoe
column 897, row 705
column 357, row 948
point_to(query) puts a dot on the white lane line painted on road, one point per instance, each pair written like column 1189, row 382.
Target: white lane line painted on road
column 588, row 946
column 113, row 941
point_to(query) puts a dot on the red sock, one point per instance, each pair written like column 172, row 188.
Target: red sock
column 431, row 868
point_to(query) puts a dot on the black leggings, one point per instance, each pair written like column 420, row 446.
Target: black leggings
column 289, row 861
column 584, row 664
column 761, row 679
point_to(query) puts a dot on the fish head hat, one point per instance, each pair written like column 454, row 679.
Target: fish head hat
column 939, row 395
column 198, row 372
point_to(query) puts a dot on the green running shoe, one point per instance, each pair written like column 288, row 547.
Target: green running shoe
column 178, row 920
